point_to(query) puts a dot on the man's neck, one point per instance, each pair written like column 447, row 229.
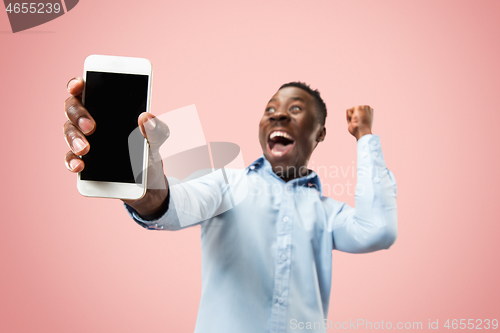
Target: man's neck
column 291, row 172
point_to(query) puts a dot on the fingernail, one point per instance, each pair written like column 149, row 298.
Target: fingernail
column 71, row 84
column 85, row 125
column 73, row 164
column 150, row 124
column 78, row 145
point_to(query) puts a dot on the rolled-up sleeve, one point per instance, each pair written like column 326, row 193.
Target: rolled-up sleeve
column 372, row 224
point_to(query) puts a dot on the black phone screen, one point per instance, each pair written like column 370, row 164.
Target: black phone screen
column 115, row 101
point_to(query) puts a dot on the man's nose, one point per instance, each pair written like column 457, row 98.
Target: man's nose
column 280, row 115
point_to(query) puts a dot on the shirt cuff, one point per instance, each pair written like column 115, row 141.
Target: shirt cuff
column 167, row 221
column 370, row 151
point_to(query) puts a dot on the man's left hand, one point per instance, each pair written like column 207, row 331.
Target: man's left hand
column 359, row 120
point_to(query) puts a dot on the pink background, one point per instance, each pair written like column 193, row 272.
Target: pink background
column 430, row 70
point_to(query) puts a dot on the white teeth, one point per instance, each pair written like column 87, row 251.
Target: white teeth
column 282, row 134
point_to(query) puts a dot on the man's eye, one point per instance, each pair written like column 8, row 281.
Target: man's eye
column 270, row 109
column 295, row 108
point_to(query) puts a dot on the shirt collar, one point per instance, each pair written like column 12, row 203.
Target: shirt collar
column 311, row 180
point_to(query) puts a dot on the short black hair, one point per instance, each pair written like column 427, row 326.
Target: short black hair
column 321, row 106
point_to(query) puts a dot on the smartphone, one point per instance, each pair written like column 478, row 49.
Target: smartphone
column 117, row 90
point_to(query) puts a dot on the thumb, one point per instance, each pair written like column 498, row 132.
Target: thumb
column 153, row 129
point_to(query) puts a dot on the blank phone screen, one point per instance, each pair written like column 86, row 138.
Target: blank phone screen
column 115, row 101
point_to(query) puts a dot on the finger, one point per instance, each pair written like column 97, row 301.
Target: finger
column 153, row 129
column 75, row 139
column 79, row 116
column 367, row 109
column 75, row 86
column 73, row 162
column 349, row 113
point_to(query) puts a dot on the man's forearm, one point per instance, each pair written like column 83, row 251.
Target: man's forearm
column 375, row 210
column 372, row 224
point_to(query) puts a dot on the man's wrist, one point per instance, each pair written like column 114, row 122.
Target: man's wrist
column 362, row 131
column 153, row 205
column 157, row 212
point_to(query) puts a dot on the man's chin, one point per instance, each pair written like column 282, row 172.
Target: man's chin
column 280, row 162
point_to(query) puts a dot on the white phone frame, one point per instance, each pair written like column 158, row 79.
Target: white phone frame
column 125, row 65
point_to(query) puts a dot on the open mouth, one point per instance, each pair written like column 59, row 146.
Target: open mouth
column 280, row 143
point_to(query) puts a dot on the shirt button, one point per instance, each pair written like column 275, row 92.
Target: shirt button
column 376, row 180
column 252, row 167
column 364, row 154
column 280, row 300
column 286, row 219
column 283, row 257
column 375, row 154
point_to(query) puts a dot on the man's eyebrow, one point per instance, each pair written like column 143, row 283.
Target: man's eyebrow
column 297, row 98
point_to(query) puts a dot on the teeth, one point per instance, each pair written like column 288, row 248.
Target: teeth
column 282, row 134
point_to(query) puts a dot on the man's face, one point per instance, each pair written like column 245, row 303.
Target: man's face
column 290, row 130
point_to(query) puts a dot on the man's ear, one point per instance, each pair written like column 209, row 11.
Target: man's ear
column 321, row 134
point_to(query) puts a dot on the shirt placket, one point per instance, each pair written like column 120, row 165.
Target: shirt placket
column 282, row 261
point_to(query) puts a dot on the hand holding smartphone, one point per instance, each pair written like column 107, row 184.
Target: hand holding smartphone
column 147, row 190
column 116, row 91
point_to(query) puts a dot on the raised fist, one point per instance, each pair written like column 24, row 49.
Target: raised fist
column 359, row 120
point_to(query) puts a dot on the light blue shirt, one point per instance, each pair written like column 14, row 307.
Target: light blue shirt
column 267, row 262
